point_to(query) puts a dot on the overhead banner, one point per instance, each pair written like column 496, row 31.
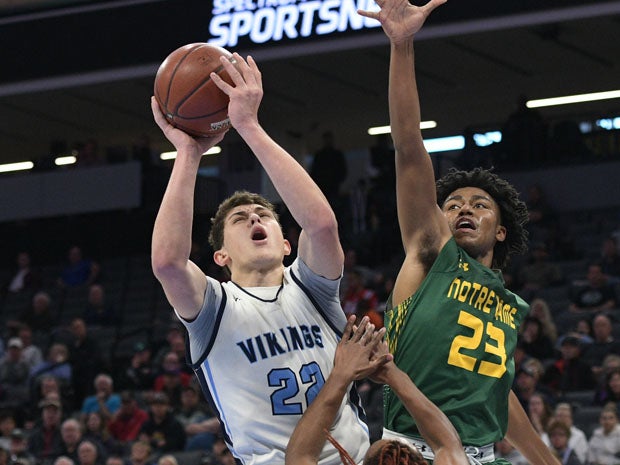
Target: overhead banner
column 237, row 23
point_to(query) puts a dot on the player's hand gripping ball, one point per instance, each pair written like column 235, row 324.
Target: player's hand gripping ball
column 187, row 96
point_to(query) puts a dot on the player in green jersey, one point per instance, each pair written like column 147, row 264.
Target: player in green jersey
column 451, row 326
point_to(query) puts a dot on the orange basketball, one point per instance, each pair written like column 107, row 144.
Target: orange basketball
column 188, row 97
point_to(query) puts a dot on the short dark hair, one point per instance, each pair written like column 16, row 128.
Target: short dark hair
column 395, row 452
column 216, row 235
column 513, row 210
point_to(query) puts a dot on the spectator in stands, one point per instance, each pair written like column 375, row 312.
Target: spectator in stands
column 78, row 271
column 602, row 344
column 172, row 379
column 99, row 311
column 175, row 339
column 7, row 424
column 222, row 453
column 31, row 353
column 45, row 441
column 361, row 299
column 56, row 364
column 89, row 453
column 140, row 374
column 19, row 452
column 48, row 385
column 583, row 329
column 559, row 438
column 200, row 426
column 329, row 169
column 535, row 342
column 604, row 445
column 610, row 391
column 104, row 400
column 115, row 460
column 597, row 295
column 570, row 372
column 505, row 450
column 539, row 308
column 96, row 430
column 542, row 215
column 86, row 360
column 140, row 454
column 39, row 316
column 539, row 411
column 577, row 441
column 24, row 277
column 527, row 381
column 610, row 260
column 162, row 431
column 167, row 459
column 4, row 456
column 62, row 460
column 539, row 272
column 71, row 434
column 14, row 376
column 126, row 423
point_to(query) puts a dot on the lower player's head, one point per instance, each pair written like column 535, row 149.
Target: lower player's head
column 246, row 228
column 382, row 452
column 393, row 452
column 498, row 215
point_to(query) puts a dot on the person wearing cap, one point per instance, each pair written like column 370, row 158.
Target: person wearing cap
column 128, row 420
column 570, row 372
column 18, row 448
column 14, row 375
column 201, row 427
column 162, row 430
column 172, row 379
column 140, row 373
column 45, row 440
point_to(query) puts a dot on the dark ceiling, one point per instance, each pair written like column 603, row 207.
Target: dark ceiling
column 470, row 74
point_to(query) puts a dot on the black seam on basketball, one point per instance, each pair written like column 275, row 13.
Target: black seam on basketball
column 196, row 88
column 173, row 74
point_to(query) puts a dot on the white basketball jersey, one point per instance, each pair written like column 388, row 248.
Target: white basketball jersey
column 264, row 357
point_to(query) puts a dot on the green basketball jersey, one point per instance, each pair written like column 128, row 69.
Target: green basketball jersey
column 455, row 337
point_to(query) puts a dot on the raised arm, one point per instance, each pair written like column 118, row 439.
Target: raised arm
column 319, row 245
column 418, row 215
column 522, row 435
column 183, row 282
column 353, row 361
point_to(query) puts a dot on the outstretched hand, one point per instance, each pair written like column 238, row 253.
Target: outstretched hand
column 180, row 139
column 356, row 355
column 246, row 94
column 400, row 19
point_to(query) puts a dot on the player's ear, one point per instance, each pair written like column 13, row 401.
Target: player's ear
column 287, row 247
column 221, row 257
column 500, row 233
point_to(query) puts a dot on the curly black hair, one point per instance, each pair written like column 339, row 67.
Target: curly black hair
column 513, row 210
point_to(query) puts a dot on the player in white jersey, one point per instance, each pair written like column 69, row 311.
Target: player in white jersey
column 262, row 344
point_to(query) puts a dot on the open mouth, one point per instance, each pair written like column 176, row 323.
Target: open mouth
column 259, row 235
column 465, row 223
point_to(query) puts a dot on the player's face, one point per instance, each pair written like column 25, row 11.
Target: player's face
column 253, row 235
column 474, row 219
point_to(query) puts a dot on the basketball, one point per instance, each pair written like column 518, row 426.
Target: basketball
column 187, row 96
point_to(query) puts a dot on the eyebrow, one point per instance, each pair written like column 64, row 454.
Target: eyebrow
column 473, row 197
column 244, row 213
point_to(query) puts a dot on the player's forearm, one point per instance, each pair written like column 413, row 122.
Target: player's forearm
column 522, row 435
column 308, row 438
column 299, row 192
column 171, row 242
column 405, row 115
column 433, row 424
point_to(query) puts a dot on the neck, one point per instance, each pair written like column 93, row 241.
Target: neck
column 258, row 278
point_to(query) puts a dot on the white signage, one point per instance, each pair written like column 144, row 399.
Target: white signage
column 262, row 21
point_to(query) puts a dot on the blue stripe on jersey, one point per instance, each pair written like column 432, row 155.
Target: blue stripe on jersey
column 319, row 309
column 216, row 328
